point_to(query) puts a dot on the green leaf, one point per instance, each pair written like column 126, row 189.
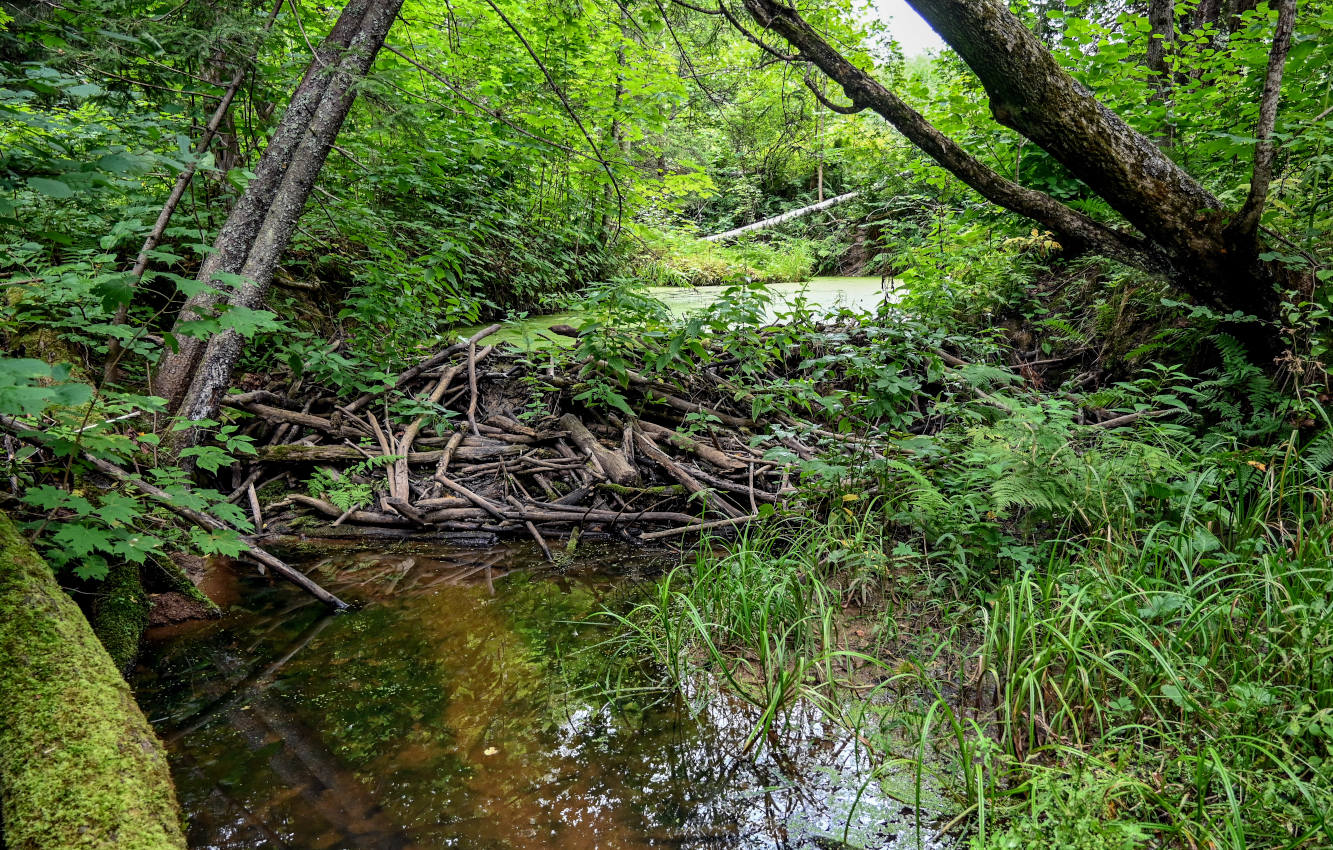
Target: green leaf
column 48, row 498
column 85, row 90
column 81, row 540
column 116, row 509
column 137, row 547
column 224, row 542
column 51, row 188
column 247, row 322
column 92, row 568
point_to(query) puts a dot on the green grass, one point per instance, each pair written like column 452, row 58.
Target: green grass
column 1165, row 678
column 674, row 259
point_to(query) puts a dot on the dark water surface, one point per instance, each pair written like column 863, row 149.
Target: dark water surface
column 466, row 704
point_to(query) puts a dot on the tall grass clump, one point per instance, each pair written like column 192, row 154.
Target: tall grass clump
column 1168, row 682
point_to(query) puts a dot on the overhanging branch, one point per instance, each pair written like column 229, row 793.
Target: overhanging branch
column 1074, row 228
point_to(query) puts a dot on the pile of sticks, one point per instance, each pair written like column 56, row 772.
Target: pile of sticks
column 520, row 456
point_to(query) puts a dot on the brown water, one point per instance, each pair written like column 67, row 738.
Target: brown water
column 469, row 704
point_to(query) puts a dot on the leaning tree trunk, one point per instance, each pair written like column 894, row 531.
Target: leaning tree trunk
column 237, row 236
column 79, row 765
column 1183, row 226
column 1032, row 94
column 183, row 180
column 212, row 377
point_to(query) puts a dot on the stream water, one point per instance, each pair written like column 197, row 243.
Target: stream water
column 822, row 293
column 471, row 701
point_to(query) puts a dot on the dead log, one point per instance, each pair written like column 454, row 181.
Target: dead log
column 334, row 454
column 717, row 458
column 777, row 220
column 80, row 767
column 695, row 528
column 676, row 471
column 616, row 467
column 359, row 517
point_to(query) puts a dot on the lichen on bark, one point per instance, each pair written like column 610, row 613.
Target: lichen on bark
column 79, row 765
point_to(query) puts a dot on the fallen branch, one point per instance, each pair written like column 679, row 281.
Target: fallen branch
column 697, row 527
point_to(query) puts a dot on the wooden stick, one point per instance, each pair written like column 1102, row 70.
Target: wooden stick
column 254, row 507
column 714, row 456
column 613, row 463
column 472, row 387
column 532, row 530
column 485, row 504
column 651, row 449
column 355, row 516
column 333, row 454
column 443, row 466
column 428, row 363
column 214, row 524
column 277, row 414
column 699, row 526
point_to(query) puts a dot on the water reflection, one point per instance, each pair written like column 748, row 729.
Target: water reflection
column 464, row 706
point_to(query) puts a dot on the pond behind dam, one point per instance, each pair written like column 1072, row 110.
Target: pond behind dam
column 821, row 294
column 472, row 700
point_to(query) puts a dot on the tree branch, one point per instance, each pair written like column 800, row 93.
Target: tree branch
column 1075, row 229
column 1244, row 227
column 828, row 104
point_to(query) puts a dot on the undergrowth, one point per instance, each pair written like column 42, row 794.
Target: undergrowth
column 1094, row 613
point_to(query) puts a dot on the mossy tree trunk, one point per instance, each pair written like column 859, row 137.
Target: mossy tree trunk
column 79, row 765
column 121, row 614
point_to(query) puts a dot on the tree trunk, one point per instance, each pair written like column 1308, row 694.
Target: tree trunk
column 80, row 768
column 238, row 233
column 1162, row 20
column 1183, row 226
column 1032, row 94
column 212, row 377
column 782, row 219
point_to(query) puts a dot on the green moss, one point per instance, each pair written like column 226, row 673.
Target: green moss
column 272, row 491
column 121, row 614
column 79, row 765
column 178, row 581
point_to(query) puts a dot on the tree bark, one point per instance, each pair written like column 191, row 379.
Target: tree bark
column 1245, row 226
column 1183, row 226
column 234, row 240
column 782, row 219
column 213, row 374
column 1162, row 20
column 80, row 768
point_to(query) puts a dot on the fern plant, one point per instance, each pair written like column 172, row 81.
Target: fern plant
column 348, row 491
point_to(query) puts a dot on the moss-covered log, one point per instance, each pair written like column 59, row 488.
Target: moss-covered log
column 120, row 615
column 79, row 765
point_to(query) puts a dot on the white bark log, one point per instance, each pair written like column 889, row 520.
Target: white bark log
column 781, row 219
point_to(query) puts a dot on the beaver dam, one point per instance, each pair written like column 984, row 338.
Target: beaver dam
column 505, row 445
